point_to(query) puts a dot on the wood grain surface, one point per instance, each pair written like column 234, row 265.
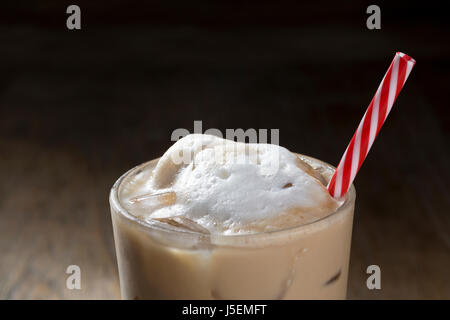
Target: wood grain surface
column 77, row 109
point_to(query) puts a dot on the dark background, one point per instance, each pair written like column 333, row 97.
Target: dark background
column 79, row 108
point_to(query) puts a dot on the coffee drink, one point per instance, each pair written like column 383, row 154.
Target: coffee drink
column 217, row 219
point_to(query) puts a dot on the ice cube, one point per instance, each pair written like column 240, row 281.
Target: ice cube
column 144, row 205
column 165, row 198
column 310, row 170
column 183, row 223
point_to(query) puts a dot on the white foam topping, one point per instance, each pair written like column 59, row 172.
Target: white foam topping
column 232, row 187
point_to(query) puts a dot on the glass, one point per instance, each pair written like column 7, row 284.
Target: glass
column 301, row 262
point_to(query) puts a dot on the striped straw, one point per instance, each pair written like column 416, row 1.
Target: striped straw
column 370, row 124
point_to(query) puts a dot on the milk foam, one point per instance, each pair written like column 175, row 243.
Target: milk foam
column 232, row 187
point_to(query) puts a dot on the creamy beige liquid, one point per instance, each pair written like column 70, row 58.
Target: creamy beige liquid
column 159, row 260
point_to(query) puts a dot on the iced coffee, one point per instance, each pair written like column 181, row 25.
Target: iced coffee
column 218, row 219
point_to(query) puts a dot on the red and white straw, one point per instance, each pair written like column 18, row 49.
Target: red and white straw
column 370, row 124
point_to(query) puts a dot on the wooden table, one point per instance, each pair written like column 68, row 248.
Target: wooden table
column 77, row 109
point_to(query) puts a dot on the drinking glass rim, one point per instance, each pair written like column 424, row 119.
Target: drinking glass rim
column 116, row 204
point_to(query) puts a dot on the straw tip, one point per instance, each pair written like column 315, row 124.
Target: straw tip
column 405, row 57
